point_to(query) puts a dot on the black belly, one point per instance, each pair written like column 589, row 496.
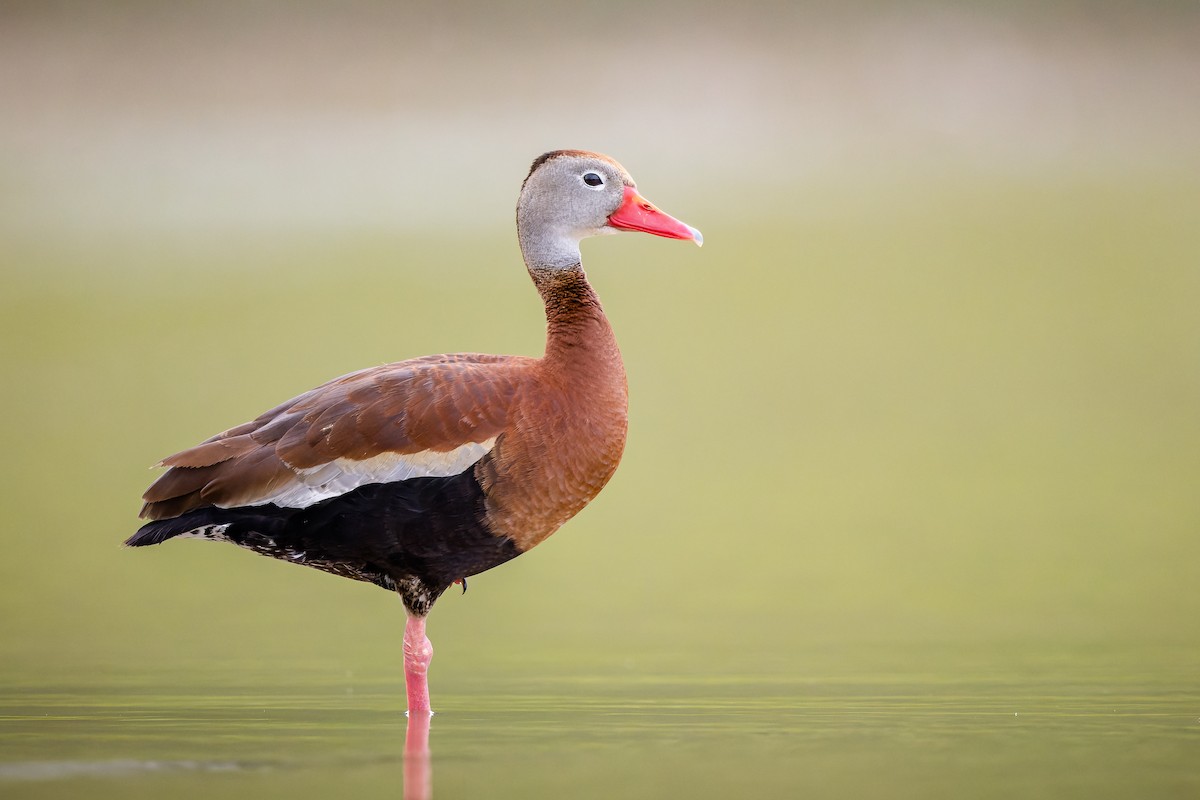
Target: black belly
column 416, row 536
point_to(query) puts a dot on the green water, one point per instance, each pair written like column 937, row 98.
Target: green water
column 1021, row 725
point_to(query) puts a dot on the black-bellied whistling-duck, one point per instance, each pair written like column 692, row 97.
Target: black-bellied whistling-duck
column 417, row 475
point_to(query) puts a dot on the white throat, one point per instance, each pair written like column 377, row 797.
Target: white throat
column 546, row 248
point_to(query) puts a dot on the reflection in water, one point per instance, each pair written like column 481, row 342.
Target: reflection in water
column 418, row 773
column 960, row 724
column 113, row 768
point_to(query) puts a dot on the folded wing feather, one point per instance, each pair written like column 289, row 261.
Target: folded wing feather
column 425, row 417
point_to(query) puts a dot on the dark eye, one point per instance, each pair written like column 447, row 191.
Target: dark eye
column 592, row 179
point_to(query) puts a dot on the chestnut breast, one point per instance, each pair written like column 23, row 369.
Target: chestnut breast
column 567, row 425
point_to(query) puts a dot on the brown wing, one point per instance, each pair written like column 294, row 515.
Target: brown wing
column 418, row 417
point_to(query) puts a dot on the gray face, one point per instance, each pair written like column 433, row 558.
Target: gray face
column 565, row 199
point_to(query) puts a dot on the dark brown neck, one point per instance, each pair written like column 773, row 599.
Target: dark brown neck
column 578, row 335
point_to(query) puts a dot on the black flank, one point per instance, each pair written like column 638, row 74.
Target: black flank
column 416, row 536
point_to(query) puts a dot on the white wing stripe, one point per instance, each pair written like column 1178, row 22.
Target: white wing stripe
column 338, row 477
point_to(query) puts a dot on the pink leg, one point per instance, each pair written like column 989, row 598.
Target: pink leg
column 418, row 652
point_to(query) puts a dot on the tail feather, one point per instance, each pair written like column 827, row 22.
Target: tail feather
column 209, row 523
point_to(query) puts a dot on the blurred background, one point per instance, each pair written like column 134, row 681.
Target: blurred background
column 930, row 387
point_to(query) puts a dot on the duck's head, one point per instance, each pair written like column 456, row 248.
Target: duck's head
column 572, row 194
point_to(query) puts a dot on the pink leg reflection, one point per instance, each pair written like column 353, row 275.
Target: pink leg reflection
column 418, row 772
column 418, row 652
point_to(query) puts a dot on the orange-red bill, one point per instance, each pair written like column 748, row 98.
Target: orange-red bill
column 636, row 213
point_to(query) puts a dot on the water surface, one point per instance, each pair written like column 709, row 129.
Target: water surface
column 954, row 722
